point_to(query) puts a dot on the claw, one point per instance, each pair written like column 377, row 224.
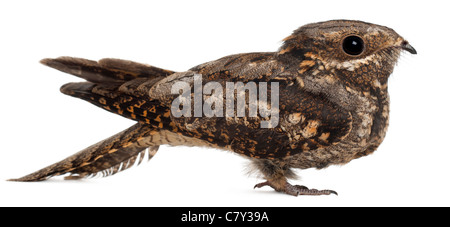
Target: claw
column 296, row 190
column 302, row 190
column 260, row 185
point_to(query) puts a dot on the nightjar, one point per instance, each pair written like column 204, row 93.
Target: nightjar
column 329, row 99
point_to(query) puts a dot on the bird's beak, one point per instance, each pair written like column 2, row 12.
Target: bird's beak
column 406, row 46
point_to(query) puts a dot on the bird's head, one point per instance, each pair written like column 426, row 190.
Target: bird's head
column 358, row 51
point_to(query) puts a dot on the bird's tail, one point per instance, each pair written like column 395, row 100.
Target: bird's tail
column 114, row 85
column 107, row 157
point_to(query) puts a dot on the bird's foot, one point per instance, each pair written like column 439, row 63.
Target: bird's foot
column 296, row 190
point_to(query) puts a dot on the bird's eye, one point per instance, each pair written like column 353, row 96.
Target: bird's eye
column 353, row 45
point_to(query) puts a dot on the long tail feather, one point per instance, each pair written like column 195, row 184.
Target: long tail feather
column 109, row 156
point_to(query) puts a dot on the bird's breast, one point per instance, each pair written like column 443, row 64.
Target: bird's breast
column 369, row 125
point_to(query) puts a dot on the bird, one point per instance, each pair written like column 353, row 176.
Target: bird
column 328, row 86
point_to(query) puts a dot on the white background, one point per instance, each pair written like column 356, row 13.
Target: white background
column 40, row 126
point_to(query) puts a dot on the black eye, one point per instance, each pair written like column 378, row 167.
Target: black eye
column 353, row 45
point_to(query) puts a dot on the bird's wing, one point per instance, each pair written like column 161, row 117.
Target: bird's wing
column 105, row 71
column 113, row 85
column 306, row 121
column 118, row 86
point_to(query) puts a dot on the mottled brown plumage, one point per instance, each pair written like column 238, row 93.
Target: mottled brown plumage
column 333, row 104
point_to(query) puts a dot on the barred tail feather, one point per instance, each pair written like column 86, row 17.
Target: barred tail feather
column 107, row 157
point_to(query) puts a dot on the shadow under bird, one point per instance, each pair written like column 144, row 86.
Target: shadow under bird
column 333, row 104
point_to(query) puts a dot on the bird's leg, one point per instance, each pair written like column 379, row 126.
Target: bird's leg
column 276, row 173
column 295, row 190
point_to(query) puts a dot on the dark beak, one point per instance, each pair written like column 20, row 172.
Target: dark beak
column 406, row 46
